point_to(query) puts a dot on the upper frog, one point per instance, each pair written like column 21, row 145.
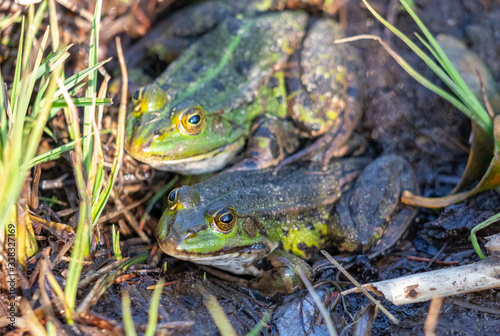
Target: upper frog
column 259, row 223
column 253, row 69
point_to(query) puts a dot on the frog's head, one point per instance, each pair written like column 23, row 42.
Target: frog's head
column 210, row 232
column 183, row 138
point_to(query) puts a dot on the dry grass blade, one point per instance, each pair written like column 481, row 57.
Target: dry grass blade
column 32, row 322
column 358, row 285
column 215, row 309
column 432, row 316
column 328, row 320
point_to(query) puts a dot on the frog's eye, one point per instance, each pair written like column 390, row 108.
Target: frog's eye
column 172, row 199
column 138, row 96
column 224, row 220
column 192, row 121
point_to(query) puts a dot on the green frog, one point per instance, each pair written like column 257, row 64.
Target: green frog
column 258, row 78
column 266, row 224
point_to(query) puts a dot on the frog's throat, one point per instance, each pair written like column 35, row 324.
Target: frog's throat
column 199, row 164
column 236, row 262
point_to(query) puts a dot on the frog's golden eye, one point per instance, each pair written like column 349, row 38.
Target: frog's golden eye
column 224, row 220
column 192, row 120
column 172, row 199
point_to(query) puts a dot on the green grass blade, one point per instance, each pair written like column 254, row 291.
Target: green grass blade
column 17, row 72
column 92, row 87
column 120, row 139
column 466, row 95
column 128, row 322
column 77, row 256
column 116, row 243
column 4, row 123
column 51, row 155
column 79, row 102
column 153, row 309
column 483, row 120
column 78, row 77
column 44, row 68
column 478, row 227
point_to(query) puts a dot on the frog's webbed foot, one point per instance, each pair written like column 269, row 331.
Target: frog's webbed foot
column 271, row 141
column 371, row 217
column 283, row 276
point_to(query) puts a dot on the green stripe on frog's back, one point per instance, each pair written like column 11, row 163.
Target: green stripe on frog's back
column 242, row 61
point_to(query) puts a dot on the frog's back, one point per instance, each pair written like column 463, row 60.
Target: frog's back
column 231, row 59
column 293, row 189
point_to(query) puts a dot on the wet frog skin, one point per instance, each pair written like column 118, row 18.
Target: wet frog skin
column 258, row 77
column 264, row 224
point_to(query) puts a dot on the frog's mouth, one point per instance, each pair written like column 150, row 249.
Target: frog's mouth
column 236, row 260
column 194, row 165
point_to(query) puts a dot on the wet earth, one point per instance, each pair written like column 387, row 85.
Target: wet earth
column 400, row 116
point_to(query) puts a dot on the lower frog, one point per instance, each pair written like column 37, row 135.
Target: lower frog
column 257, row 77
column 267, row 224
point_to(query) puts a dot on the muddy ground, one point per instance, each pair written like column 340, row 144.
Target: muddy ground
column 400, row 116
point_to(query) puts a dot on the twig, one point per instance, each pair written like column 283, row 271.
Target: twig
column 328, row 320
column 358, row 285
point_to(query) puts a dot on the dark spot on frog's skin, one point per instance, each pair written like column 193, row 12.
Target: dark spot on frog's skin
column 285, row 232
column 280, row 100
column 157, row 133
column 197, row 67
column 233, row 25
column 274, row 147
column 263, row 132
column 310, row 225
column 273, row 83
column 281, row 217
column 293, row 84
column 253, row 154
column 352, row 92
column 243, row 67
column 249, row 228
column 263, row 264
column 218, row 86
column 313, row 213
column 308, row 250
column 350, row 116
column 189, row 78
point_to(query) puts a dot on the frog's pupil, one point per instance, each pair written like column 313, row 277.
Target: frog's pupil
column 137, row 94
column 194, row 119
column 172, row 195
column 226, row 218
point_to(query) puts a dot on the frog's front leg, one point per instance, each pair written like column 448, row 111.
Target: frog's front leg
column 281, row 275
column 270, row 142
